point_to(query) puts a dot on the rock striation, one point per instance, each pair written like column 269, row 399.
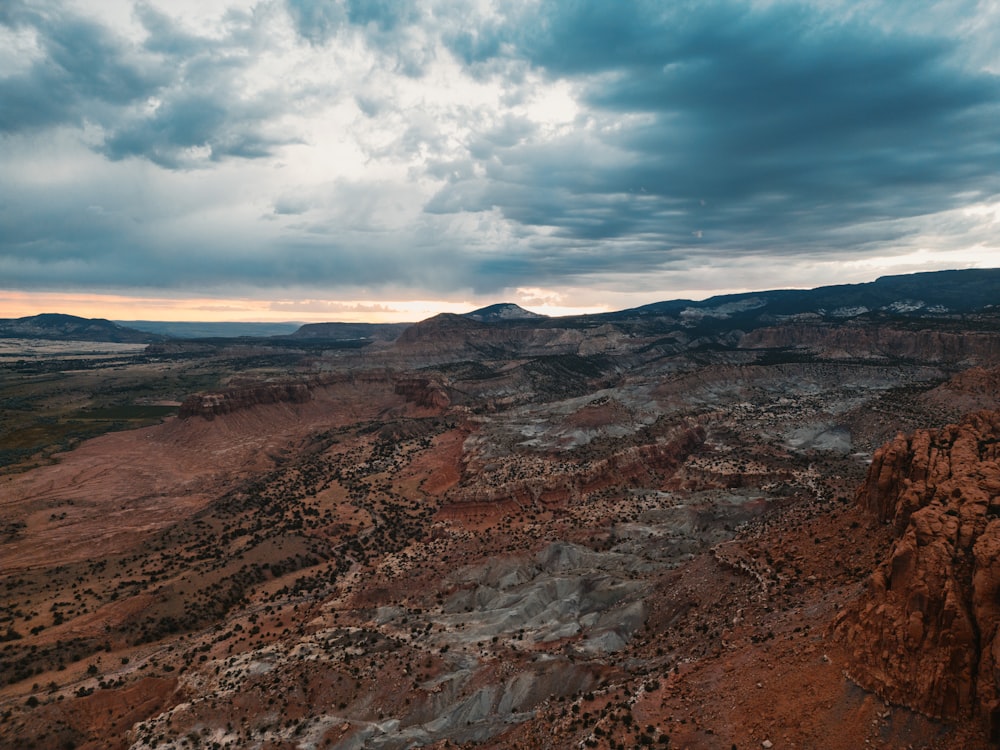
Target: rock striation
column 925, row 632
column 423, row 392
column 210, row 405
column 447, row 337
column 867, row 341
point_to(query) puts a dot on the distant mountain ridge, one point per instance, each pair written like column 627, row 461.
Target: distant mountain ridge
column 208, row 329
column 931, row 295
column 917, row 294
column 502, row 311
column 895, row 308
column 350, row 331
column 59, row 327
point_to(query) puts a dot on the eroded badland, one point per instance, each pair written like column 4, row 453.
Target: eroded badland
column 514, row 534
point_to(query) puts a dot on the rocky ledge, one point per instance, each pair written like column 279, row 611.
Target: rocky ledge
column 210, row 405
column 423, row 392
column 924, row 632
column 880, row 341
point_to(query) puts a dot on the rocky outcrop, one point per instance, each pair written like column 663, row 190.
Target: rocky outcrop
column 867, row 340
column 210, row 405
column 423, row 392
column 650, row 465
column 448, row 337
column 925, row 632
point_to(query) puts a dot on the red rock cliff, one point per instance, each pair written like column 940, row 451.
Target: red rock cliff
column 925, row 632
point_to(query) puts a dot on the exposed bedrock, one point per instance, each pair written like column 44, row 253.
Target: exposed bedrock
column 241, row 397
column 210, row 405
column 924, row 633
column 649, row 465
column 567, row 592
column 868, row 341
column 423, row 392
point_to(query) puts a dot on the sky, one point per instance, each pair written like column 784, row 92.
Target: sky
column 310, row 160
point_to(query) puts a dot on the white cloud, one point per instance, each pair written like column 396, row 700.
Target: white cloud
column 19, row 50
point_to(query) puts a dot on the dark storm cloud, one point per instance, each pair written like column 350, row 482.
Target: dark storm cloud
column 398, row 30
column 316, row 21
column 70, row 247
column 195, row 120
column 386, row 15
column 83, row 71
column 737, row 128
column 164, row 36
column 173, row 99
column 204, row 113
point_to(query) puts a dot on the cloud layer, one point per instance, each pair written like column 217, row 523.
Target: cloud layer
column 447, row 148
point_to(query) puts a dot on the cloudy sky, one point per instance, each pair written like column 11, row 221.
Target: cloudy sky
column 387, row 159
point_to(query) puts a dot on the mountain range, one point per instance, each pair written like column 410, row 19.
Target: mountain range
column 938, row 295
column 59, row 327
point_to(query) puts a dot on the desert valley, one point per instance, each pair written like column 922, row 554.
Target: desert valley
column 765, row 520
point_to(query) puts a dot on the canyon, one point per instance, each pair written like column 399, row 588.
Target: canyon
column 661, row 528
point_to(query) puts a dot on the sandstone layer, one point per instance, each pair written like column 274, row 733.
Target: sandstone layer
column 867, row 341
column 924, row 633
column 210, row 405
